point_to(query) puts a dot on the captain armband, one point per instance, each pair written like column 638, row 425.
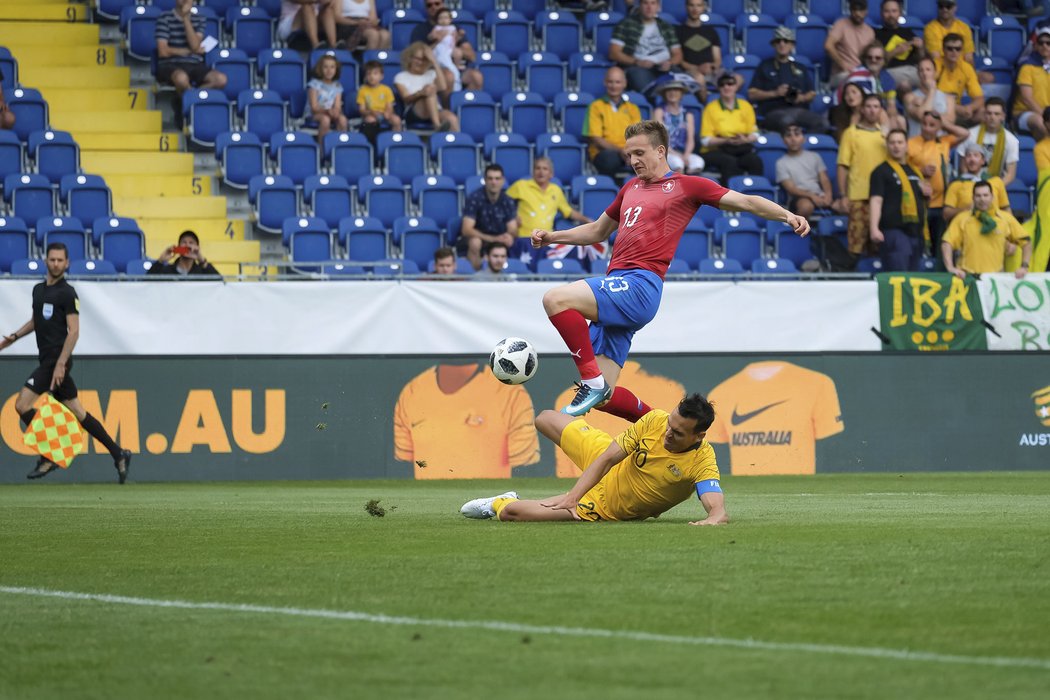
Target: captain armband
column 708, row 486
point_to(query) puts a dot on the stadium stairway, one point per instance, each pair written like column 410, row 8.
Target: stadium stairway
column 120, row 137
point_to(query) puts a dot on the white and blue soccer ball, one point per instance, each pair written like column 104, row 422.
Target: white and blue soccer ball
column 514, row 361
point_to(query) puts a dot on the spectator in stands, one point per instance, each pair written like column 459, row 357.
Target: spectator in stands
column 846, row 40
column 982, row 235
column 1033, row 88
column 539, row 202
column 607, row 119
column 701, row 48
column 188, row 260
column 958, row 78
column 930, row 154
column 897, row 204
column 357, row 25
column 180, row 55
column 681, row 130
column 428, row 33
column 1002, row 150
column 444, row 261
column 847, row 112
column 903, row 47
column 728, row 133
column 802, row 174
column 959, row 196
column 944, row 24
column 783, row 89
column 861, row 150
column 645, row 46
column 301, row 19
column 495, row 263
column 489, row 216
column 876, row 80
column 375, row 102
column 1042, row 149
column 420, row 83
column 7, row 117
column 927, row 97
column 449, row 56
column 324, row 92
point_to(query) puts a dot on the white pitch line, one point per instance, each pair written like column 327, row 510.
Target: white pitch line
column 500, row 626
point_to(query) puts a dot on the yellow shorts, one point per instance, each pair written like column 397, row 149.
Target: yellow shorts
column 582, row 444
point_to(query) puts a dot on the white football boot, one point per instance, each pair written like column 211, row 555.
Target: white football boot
column 481, row 508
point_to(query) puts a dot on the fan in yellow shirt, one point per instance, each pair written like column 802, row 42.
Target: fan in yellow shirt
column 650, row 468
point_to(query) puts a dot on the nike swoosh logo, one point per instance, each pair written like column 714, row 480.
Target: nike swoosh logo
column 739, row 418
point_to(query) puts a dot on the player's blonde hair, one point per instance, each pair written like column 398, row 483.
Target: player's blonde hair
column 655, row 130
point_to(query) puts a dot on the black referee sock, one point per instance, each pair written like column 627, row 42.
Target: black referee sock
column 92, row 425
column 28, row 416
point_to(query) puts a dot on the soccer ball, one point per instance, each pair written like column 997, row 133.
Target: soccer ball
column 514, row 361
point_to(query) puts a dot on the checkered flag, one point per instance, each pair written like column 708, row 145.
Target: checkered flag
column 55, row 433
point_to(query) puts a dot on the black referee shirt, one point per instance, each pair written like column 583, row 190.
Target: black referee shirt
column 51, row 305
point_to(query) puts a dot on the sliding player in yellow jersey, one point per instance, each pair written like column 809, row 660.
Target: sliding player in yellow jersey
column 650, row 468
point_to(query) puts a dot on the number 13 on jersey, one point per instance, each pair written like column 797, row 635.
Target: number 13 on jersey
column 630, row 217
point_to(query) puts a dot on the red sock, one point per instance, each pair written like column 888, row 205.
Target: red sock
column 572, row 327
column 626, row 405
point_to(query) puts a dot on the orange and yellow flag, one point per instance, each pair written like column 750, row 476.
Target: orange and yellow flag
column 54, row 433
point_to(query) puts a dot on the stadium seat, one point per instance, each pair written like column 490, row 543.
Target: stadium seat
column 9, row 67
column 62, row 229
column 497, row 71
column 810, row 32
column 364, row 238
column 695, row 245
column 513, row 152
column 735, row 223
column 1002, row 70
column 477, row 112
column 28, row 268
column 30, row 110
column 347, row 75
column 348, row 154
column 394, row 267
column 85, row 197
column 594, row 193
column 718, row 266
column 208, row 114
column 543, row 72
column 639, row 100
column 1004, row 36
column 138, row 24
column 220, row 7
column 826, row 147
column 470, row 23
column 237, row 68
column 241, row 157
column 401, row 22
column 296, row 224
column 402, row 153
column 284, row 72
column 419, row 237
column 559, row 32
column 383, row 197
column 29, row 197
column 274, row 199
column 743, row 65
column 54, row 154
column 770, row 148
column 566, row 153
column 570, row 109
column 773, row 266
column 338, row 269
column 436, row 196
column 92, row 268
column 111, row 9
column 559, row 266
column 308, row 243
column 510, row 31
column 756, row 30
column 252, row 29
column 1026, row 169
column 599, row 27
column 14, row 241
column 1020, row 196
column 329, row 198
column 588, row 71
column 754, row 184
column 11, row 161
column 455, row 155
column 296, row 155
column 869, row 264
column 678, row 266
column 263, row 112
column 120, row 240
column 828, row 10
column 527, row 113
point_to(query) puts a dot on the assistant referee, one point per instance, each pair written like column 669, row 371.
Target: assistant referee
column 56, row 320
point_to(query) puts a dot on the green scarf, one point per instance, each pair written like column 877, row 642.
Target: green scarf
column 909, row 205
column 996, row 164
column 988, row 222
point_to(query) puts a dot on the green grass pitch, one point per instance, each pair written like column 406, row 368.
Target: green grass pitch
column 848, row 586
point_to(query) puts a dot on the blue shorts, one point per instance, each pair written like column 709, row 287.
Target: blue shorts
column 627, row 300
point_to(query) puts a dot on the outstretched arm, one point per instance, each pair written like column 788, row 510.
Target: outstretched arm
column 584, row 234
column 715, row 505
column 767, row 209
column 9, row 340
column 591, row 476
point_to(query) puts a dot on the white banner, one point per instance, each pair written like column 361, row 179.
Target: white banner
column 1018, row 310
column 435, row 318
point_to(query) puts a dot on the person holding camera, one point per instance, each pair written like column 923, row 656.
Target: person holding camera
column 782, row 89
column 188, row 259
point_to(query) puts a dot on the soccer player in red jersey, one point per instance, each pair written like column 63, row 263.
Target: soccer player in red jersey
column 651, row 212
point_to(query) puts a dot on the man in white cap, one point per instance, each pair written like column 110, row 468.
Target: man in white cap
column 781, row 89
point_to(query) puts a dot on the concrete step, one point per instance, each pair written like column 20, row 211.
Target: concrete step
column 96, row 100
column 158, row 143
column 37, row 11
column 208, row 230
column 93, row 55
column 170, row 207
column 159, row 185
column 134, row 121
column 15, row 34
column 81, row 77
column 108, row 163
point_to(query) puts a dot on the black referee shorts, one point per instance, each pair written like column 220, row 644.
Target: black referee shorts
column 39, row 382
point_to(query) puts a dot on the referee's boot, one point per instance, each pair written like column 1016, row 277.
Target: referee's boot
column 587, row 398
column 43, row 468
column 122, row 464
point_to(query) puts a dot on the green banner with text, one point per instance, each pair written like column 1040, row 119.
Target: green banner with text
column 930, row 312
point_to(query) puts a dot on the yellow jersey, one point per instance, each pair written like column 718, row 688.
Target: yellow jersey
column 723, row 123
column 1042, row 155
column 958, row 81
column 376, row 98
column 772, row 414
column 934, row 32
column 481, row 431
column 1038, row 79
column 983, row 252
column 960, row 193
column 861, row 150
column 536, row 207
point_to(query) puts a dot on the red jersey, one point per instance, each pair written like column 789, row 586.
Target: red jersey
column 652, row 217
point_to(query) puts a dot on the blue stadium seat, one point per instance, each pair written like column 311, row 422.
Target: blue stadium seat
column 28, row 268
column 828, row 10
column 511, row 31
column 138, row 24
column 754, row 184
column 1004, row 35
column 498, row 72
column 869, row 264
column 208, row 114
column 477, row 112
column 836, row 226
column 274, row 199
column 241, row 157
column 1026, row 170
column 726, row 224
column 793, row 247
column 338, row 269
column 85, row 197
column 639, row 100
column 329, row 198
column 453, row 229
column 390, row 59
column 347, row 74
column 678, row 266
column 29, row 197
column 826, row 147
column 594, row 193
column 599, row 27
column 559, row 266
column 570, row 109
column 720, row 266
column 111, row 9
column 14, row 241
column 364, row 238
column 263, row 112
column 401, row 22
column 348, row 154
column 544, row 73
column 296, row 155
column 588, row 70
column 212, row 19
column 92, row 268
column 220, row 7
column 273, row 7
column 1002, row 70
column 527, row 112
column 770, row 147
column 402, row 153
column 695, row 245
column 309, row 244
column 1020, row 196
column 559, row 32
column 296, row 224
column 252, row 29
column 513, row 152
column 62, row 229
column 455, row 155
column 237, row 68
column 470, row 23
column 419, row 237
column 383, row 197
column 9, row 67
column 756, row 30
column 119, row 240
column 773, row 266
column 437, row 197
column 969, row 11
column 743, row 65
column 565, row 151
column 11, row 161
column 30, row 110
column 810, row 32
column 394, row 267
column 54, row 153
column 284, row 72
